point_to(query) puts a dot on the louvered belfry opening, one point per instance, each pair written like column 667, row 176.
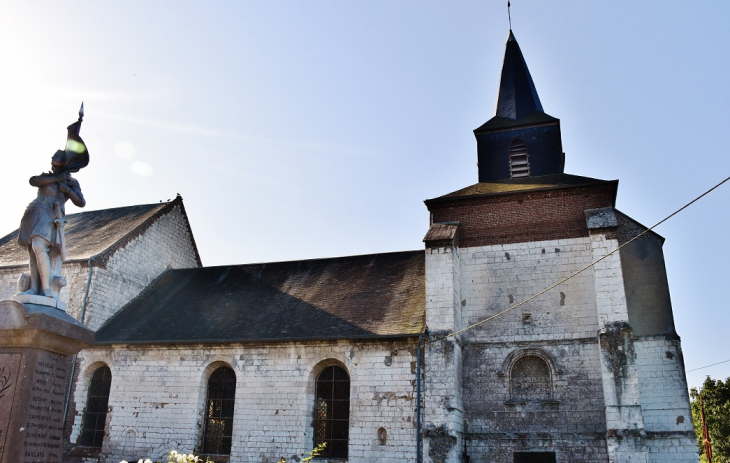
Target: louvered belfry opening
column 519, row 165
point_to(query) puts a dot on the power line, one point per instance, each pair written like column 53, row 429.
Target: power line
column 474, row 325
column 708, row 366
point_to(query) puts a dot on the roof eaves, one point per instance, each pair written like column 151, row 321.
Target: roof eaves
column 361, row 337
column 446, row 198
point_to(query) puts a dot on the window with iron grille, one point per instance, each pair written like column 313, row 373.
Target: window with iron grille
column 97, row 405
column 519, row 165
column 332, row 412
column 218, row 428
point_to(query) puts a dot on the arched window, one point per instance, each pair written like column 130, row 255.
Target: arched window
column 97, row 404
column 332, row 412
column 519, row 165
column 218, row 427
column 530, row 379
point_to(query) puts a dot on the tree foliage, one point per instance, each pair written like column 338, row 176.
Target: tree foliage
column 716, row 398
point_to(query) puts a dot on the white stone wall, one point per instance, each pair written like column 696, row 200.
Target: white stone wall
column 604, row 387
column 442, row 288
column 158, row 393
column 442, row 416
column 664, row 402
column 621, row 389
column 493, row 278
column 165, row 244
column 9, row 281
column 76, row 274
column 562, row 330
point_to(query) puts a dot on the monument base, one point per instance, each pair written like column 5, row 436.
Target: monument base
column 40, row 300
column 35, row 341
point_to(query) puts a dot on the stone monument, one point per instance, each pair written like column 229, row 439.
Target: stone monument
column 36, row 334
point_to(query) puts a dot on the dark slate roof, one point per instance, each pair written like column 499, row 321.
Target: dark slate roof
column 517, row 96
column 348, row 297
column 518, row 185
column 536, row 118
column 94, row 233
column 441, row 232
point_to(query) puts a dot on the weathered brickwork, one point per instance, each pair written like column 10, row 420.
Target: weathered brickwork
column 167, row 243
column 157, row 398
column 522, row 217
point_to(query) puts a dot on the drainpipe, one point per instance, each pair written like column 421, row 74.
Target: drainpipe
column 419, row 450
column 73, row 363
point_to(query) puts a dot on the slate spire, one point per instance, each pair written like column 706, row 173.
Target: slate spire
column 517, row 96
column 520, row 140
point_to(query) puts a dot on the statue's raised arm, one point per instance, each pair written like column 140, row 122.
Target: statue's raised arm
column 42, row 227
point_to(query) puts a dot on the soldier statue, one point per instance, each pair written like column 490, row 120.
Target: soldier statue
column 42, row 227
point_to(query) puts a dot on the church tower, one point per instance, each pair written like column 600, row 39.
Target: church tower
column 521, row 140
column 590, row 370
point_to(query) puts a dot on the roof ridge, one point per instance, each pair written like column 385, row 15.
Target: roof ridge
column 103, row 257
column 314, row 259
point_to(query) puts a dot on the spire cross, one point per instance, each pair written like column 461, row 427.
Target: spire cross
column 509, row 16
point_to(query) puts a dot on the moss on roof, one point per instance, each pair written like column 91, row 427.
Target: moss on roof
column 347, row 297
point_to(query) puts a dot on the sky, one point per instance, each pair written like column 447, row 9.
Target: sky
column 298, row 130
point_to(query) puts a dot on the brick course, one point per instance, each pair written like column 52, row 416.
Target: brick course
column 522, row 217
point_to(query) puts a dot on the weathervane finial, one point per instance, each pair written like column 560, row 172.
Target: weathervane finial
column 509, row 16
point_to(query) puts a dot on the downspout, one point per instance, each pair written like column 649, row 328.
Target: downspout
column 419, row 450
column 73, row 362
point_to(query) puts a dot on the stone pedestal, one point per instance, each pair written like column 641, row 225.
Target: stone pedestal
column 35, row 341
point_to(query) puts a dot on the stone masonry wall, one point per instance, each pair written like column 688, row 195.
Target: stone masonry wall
column 496, row 277
column 76, row 274
column 158, row 393
column 664, row 400
column 443, row 410
column 167, row 243
column 559, row 328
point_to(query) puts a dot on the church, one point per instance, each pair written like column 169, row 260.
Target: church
column 451, row 353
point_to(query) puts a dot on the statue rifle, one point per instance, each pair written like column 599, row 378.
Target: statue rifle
column 60, row 241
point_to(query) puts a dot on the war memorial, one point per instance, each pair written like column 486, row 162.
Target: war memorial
column 116, row 343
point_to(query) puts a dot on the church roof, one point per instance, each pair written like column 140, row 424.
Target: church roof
column 521, row 185
column 370, row 296
column 517, row 96
column 503, row 123
column 93, row 233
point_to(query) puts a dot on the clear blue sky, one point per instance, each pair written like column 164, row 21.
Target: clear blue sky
column 299, row 130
